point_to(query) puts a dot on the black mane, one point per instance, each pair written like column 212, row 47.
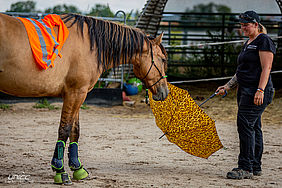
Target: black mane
column 114, row 42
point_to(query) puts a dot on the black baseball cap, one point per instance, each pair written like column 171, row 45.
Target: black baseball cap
column 249, row 17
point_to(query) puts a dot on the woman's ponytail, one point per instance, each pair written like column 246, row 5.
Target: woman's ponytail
column 261, row 28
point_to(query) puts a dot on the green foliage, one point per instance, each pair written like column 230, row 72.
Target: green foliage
column 100, row 84
column 62, row 9
column 30, row 6
column 4, row 106
column 101, row 11
column 129, row 15
column 136, row 14
column 206, row 8
column 23, row 6
column 209, row 8
column 84, row 106
column 174, row 40
column 44, row 103
column 208, row 63
column 223, row 9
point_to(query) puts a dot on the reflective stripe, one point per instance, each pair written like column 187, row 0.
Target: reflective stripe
column 56, row 51
column 42, row 42
column 48, row 29
column 45, row 43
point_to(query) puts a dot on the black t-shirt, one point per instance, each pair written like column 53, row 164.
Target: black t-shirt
column 249, row 66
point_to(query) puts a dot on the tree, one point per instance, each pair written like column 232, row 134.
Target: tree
column 210, row 8
column 101, row 11
column 61, row 9
column 206, row 8
column 23, row 6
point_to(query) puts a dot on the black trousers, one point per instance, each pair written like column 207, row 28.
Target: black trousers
column 249, row 127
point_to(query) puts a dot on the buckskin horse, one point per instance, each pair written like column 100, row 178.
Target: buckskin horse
column 93, row 46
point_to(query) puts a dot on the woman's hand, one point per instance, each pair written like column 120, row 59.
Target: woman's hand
column 258, row 99
column 221, row 90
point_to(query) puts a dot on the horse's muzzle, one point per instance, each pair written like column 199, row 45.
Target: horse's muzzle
column 162, row 93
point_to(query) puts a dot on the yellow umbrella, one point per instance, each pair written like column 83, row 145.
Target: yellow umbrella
column 185, row 124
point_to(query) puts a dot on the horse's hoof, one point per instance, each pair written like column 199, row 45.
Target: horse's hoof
column 80, row 174
column 62, row 178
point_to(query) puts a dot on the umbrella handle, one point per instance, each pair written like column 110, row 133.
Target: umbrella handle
column 225, row 93
column 212, row 97
column 163, row 135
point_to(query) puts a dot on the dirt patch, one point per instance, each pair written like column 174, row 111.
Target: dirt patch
column 120, row 147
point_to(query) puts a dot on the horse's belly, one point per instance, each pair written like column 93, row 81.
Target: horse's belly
column 21, row 89
column 30, row 82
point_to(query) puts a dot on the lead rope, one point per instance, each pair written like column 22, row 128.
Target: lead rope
column 147, row 96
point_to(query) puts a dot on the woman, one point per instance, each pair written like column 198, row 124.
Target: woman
column 255, row 92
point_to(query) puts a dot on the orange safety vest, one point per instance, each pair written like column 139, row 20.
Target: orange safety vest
column 44, row 43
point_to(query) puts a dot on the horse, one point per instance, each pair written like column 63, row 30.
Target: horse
column 92, row 47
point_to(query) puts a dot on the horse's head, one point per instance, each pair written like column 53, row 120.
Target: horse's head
column 150, row 67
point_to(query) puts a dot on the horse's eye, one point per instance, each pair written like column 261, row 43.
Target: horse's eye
column 164, row 60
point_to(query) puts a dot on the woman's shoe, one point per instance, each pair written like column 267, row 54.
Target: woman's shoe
column 238, row 173
column 257, row 172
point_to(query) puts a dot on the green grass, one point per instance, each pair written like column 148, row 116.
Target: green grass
column 5, row 106
column 44, row 103
column 84, row 106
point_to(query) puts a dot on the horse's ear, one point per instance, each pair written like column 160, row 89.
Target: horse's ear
column 158, row 39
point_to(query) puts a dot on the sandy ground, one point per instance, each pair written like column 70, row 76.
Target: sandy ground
column 120, row 147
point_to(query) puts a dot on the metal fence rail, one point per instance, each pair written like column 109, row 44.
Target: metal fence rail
column 185, row 32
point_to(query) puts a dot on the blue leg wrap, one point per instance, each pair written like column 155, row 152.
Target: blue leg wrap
column 57, row 162
column 74, row 162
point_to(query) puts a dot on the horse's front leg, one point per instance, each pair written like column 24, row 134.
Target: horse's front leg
column 72, row 103
column 74, row 162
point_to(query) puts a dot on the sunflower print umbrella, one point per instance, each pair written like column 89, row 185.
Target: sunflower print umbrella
column 185, row 124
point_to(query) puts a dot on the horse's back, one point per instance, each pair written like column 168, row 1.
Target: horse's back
column 19, row 74
column 12, row 33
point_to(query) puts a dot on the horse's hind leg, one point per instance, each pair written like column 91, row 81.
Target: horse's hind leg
column 74, row 162
column 72, row 103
